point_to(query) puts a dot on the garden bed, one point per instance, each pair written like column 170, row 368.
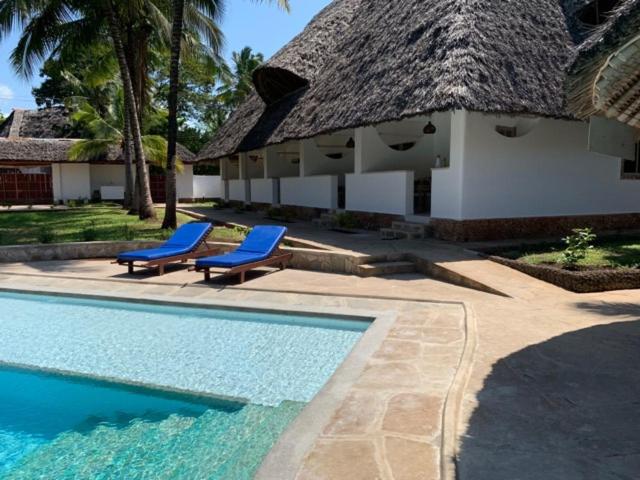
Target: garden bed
column 612, row 264
column 579, row 281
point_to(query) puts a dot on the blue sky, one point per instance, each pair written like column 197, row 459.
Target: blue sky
column 262, row 26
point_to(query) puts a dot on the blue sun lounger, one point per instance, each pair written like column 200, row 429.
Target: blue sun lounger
column 183, row 245
column 259, row 249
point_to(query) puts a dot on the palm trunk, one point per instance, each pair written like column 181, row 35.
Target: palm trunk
column 146, row 209
column 128, row 167
column 170, row 217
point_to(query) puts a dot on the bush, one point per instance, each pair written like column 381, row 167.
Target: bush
column 347, row 220
column 90, row 233
column 46, row 235
column 578, row 245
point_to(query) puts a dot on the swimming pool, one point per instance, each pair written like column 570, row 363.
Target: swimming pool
column 64, row 426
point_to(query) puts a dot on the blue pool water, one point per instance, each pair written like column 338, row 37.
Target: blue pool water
column 63, row 427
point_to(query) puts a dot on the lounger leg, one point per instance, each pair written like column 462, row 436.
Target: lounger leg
column 241, row 277
column 207, row 275
column 160, row 269
column 130, row 265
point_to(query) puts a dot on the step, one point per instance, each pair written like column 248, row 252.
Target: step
column 386, row 268
column 415, row 228
column 324, row 222
column 393, row 234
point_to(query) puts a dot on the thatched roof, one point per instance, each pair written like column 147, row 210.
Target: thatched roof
column 45, row 123
column 365, row 62
column 40, row 136
column 605, row 75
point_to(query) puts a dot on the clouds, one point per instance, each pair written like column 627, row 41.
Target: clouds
column 5, row 92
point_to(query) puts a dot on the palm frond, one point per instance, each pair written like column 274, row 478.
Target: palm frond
column 89, row 150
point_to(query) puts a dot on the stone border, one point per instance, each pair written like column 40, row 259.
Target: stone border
column 584, row 281
column 530, row 227
column 288, row 454
column 70, row 250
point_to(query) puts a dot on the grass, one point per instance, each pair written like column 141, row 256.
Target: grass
column 611, row 252
column 89, row 223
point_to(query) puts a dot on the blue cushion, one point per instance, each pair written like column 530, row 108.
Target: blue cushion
column 230, row 260
column 185, row 240
column 259, row 245
column 150, row 254
column 263, row 239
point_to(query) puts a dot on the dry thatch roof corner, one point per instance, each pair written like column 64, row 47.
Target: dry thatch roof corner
column 45, row 136
column 365, row 62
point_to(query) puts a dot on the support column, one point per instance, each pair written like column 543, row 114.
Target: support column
column 244, row 176
column 224, row 178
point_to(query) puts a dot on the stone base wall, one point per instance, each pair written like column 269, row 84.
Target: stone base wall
column 537, row 227
column 587, row 281
column 69, row 251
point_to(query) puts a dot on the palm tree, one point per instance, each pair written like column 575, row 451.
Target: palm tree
column 107, row 133
column 209, row 9
column 240, row 82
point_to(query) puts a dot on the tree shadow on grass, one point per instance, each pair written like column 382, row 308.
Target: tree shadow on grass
column 567, row 408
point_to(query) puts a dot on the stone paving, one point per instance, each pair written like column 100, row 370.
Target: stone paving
column 551, row 393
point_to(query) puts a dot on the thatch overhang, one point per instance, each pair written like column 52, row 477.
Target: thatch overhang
column 369, row 62
column 605, row 75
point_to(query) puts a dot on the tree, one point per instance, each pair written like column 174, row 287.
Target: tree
column 239, row 84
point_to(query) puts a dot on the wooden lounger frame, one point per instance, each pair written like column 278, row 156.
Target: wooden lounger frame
column 160, row 263
column 278, row 258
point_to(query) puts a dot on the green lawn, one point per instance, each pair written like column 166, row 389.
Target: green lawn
column 613, row 252
column 91, row 222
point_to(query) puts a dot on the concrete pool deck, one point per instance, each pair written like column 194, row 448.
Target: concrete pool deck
column 551, row 391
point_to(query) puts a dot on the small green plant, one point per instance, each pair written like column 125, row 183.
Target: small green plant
column 347, row 220
column 46, row 235
column 166, row 233
column 577, row 246
column 128, row 233
column 90, row 233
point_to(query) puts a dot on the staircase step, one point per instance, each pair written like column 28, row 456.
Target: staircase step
column 415, row 228
column 385, row 268
column 391, row 234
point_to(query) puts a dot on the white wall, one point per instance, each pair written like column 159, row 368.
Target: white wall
column 384, row 192
column 314, row 162
column 207, row 186
column 546, row 172
column 278, row 163
column 264, row 190
column 373, row 154
column 106, row 176
column 184, row 183
column 316, row 192
column 239, row 190
column 71, row 181
column 446, row 183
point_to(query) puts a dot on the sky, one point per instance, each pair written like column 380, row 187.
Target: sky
column 262, row 26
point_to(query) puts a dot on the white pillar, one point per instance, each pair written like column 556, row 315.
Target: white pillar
column 224, row 178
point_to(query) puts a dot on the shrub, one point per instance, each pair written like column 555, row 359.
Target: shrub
column 89, row 234
column 577, row 246
column 347, row 220
column 46, row 235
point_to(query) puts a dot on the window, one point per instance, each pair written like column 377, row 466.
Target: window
column 509, row 132
column 596, row 12
column 631, row 168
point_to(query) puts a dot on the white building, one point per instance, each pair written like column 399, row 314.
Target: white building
column 34, row 166
column 457, row 117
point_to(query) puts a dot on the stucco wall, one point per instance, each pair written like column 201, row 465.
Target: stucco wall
column 184, row 182
column 207, row 186
column 264, row 190
column 106, row 175
column 316, row 192
column 546, row 172
column 383, row 192
column 71, row 181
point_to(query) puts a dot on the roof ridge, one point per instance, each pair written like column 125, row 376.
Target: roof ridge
column 16, row 123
